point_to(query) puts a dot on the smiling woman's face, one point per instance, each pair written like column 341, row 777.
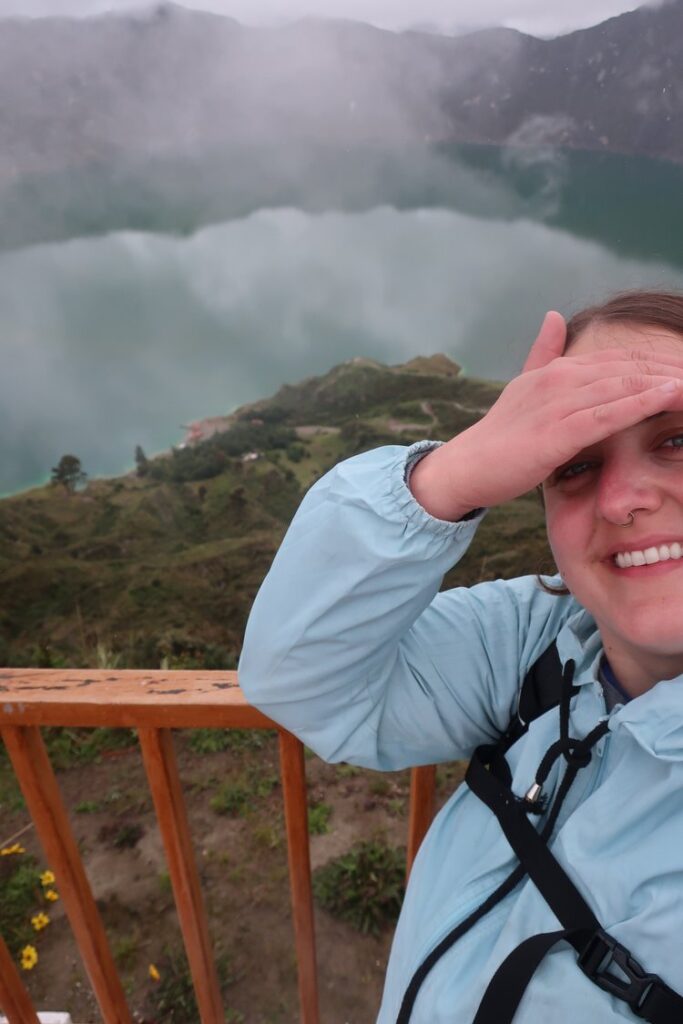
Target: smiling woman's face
column 638, row 607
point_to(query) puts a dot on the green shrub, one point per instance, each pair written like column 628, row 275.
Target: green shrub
column 318, row 819
column 232, row 798
column 68, row 747
column 172, row 999
column 125, row 950
column 236, row 797
column 296, row 452
column 364, row 886
column 380, row 786
column 212, row 741
column 20, row 897
column 88, row 807
column 10, row 794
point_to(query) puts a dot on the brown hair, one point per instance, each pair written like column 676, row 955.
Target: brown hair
column 645, row 308
column 640, row 307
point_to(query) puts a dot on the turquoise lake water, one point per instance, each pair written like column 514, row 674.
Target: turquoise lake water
column 131, row 307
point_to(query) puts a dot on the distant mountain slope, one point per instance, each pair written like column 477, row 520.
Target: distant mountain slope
column 171, row 82
column 165, row 565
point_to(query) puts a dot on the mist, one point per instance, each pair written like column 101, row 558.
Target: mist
column 533, row 16
column 193, row 212
column 130, row 336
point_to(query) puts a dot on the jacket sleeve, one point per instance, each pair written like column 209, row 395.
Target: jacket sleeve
column 350, row 646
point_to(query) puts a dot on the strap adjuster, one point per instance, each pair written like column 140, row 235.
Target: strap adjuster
column 611, row 967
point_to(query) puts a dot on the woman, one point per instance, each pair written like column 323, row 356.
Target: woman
column 350, row 646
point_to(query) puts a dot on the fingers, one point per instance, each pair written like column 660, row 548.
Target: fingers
column 641, row 357
column 606, row 390
column 549, row 343
column 564, row 376
column 596, row 422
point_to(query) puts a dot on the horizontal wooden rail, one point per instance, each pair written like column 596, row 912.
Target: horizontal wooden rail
column 154, row 702
column 130, row 698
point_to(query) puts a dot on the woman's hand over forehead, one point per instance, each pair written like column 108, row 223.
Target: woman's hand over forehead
column 558, row 406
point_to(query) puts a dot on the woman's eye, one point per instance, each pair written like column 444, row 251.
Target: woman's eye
column 574, row 469
column 674, row 442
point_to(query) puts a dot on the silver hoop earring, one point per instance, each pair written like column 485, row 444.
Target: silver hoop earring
column 631, row 520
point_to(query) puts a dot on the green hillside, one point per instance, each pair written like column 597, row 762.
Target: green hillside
column 161, row 568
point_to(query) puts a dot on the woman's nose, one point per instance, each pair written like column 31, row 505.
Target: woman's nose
column 626, row 486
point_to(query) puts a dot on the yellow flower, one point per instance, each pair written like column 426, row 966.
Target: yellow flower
column 154, row 973
column 40, row 921
column 29, row 958
column 7, row 850
column 51, row 895
column 47, row 878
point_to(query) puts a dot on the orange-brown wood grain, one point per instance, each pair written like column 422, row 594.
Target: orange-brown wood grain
column 39, row 786
column 293, row 773
column 128, row 698
column 422, row 790
column 164, row 783
column 153, row 702
column 15, row 1002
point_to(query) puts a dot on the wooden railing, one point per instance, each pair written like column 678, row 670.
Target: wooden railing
column 153, row 703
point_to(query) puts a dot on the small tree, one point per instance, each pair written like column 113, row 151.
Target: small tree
column 141, row 461
column 68, row 473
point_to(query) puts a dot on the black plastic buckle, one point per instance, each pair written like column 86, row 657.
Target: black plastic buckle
column 613, row 969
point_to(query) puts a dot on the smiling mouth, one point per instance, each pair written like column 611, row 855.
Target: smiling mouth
column 648, row 556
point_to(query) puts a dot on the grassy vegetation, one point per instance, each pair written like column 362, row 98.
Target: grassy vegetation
column 364, row 886
column 172, row 998
column 68, row 747
column 20, row 897
column 319, row 815
column 239, row 796
column 160, row 570
column 212, row 741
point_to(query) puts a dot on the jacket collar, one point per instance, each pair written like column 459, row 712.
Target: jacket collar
column 655, row 719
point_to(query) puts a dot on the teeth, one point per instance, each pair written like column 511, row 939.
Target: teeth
column 649, row 556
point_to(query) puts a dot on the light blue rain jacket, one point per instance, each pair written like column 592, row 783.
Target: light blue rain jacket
column 350, row 646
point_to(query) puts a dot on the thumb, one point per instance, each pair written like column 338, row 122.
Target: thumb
column 549, row 343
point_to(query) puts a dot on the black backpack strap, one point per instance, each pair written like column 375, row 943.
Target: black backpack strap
column 647, row 995
column 540, row 691
column 608, row 964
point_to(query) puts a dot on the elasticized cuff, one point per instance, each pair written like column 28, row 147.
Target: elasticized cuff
column 411, row 509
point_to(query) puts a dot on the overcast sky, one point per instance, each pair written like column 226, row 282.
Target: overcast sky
column 538, row 17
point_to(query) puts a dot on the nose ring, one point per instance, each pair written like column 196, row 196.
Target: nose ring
column 631, row 520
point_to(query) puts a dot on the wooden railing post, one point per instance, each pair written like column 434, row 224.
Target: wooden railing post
column 422, row 789
column 293, row 775
column 38, row 784
column 164, row 783
column 154, row 701
column 15, row 1002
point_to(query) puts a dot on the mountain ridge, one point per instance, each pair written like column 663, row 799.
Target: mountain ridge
column 165, row 562
column 615, row 84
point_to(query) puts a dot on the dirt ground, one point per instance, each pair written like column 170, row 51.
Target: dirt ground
column 243, row 867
